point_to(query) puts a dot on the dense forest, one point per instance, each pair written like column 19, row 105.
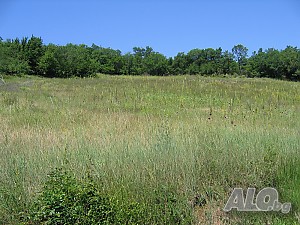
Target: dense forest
column 32, row 56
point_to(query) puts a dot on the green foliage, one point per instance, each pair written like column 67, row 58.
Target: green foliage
column 49, row 63
column 106, row 60
column 179, row 64
column 33, row 51
column 169, row 208
column 296, row 75
column 31, row 56
column 210, row 61
column 12, row 59
column 156, row 64
column 240, row 53
column 65, row 200
column 276, row 64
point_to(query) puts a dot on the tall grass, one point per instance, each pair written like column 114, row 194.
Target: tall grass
column 153, row 140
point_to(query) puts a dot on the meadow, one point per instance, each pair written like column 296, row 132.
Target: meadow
column 169, row 150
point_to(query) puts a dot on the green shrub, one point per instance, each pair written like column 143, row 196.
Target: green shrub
column 65, row 200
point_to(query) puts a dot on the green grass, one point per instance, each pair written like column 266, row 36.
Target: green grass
column 160, row 142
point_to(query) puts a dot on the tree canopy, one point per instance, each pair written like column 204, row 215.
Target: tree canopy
column 32, row 56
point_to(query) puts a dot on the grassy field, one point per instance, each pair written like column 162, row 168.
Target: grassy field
column 175, row 146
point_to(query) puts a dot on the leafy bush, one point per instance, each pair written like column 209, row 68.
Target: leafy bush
column 65, row 200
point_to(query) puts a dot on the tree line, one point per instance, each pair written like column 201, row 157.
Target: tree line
column 32, row 56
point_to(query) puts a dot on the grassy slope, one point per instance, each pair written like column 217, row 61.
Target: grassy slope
column 197, row 136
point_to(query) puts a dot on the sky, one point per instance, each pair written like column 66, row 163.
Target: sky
column 168, row 26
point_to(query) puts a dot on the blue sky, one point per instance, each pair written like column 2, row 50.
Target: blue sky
column 168, row 26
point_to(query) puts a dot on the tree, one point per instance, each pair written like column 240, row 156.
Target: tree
column 211, row 61
column 266, row 64
column 127, row 64
column 77, row 60
column 33, row 50
column 49, row 64
column 108, row 61
column 208, row 61
column 195, row 58
column 227, row 63
column 291, row 58
column 240, row 53
column 180, row 64
column 12, row 59
column 142, row 52
column 140, row 55
column 156, row 64
column 272, row 64
column 67, row 61
column 31, row 56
